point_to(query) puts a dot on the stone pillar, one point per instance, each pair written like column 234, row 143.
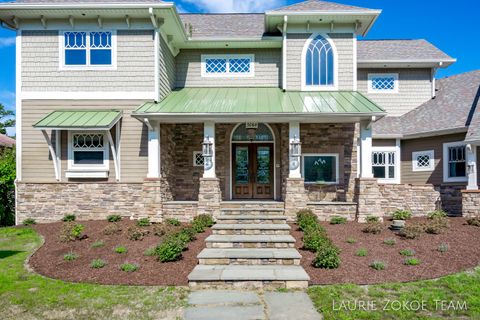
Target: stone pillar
column 471, row 203
column 368, row 198
column 295, row 198
column 152, row 194
column 365, row 150
column 472, row 167
column 209, row 196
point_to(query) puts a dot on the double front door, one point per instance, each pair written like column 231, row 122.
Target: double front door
column 252, row 174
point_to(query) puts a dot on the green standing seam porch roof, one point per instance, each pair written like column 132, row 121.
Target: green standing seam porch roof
column 80, row 119
column 231, row 101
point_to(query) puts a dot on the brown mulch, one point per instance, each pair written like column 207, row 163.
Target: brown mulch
column 463, row 254
column 48, row 260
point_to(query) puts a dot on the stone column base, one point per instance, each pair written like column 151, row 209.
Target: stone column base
column 368, row 198
column 152, row 193
column 471, row 203
column 296, row 197
column 209, row 196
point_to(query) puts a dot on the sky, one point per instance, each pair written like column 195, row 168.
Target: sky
column 449, row 25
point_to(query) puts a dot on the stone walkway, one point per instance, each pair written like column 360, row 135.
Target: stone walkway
column 249, row 305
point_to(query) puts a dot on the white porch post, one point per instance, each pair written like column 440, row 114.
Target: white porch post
column 209, row 166
column 472, row 167
column 153, row 149
column 294, row 163
column 365, row 150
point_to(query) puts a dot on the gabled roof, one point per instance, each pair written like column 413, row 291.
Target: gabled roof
column 454, row 109
column 6, row 141
column 316, row 5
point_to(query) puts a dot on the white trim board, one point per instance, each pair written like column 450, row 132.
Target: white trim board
column 18, row 104
column 87, row 95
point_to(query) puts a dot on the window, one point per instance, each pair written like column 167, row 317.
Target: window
column 227, row 65
column 384, row 165
column 320, row 168
column 319, row 63
column 454, row 162
column 423, row 160
column 88, row 49
column 382, row 82
column 88, row 152
column 198, row 159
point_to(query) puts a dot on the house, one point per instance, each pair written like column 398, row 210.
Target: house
column 6, row 142
column 128, row 107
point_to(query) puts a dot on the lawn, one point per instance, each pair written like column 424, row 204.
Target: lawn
column 25, row 295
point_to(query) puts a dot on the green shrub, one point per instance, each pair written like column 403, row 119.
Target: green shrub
column 71, row 231
column 338, row 220
column 327, row 257
column 474, row 221
column 143, row 222
column 436, row 225
column 121, row 249
column 29, row 222
column 112, row 228
column 378, row 265
column 114, row 218
column 149, row 252
column 136, row 234
column 306, row 219
column 374, row 227
column 437, row 214
column 362, row 252
column 98, row 264
column 189, row 233
column 169, row 250
column 314, row 238
column 198, row 226
column 7, row 185
column 70, row 256
column 69, row 218
column 162, row 229
column 173, row 222
column 129, row 267
column 412, row 262
column 98, row 244
column 372, row 219
column 407, row 252
column 351, row 241
column 390, row 242
column 412, row 231
column 205, row 220
column 443, row 247
column 401, row 215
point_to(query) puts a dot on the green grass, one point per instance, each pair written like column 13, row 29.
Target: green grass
column 26, row 295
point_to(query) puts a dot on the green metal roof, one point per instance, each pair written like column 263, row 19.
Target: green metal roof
column 80, row 119
column 260, row 101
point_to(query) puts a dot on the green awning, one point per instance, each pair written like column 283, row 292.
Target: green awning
column 260, row 101
column 80, row 120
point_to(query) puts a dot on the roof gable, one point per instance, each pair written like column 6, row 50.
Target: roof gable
column 316, row 5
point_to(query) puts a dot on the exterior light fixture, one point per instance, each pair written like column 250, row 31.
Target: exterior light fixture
column 295, row 147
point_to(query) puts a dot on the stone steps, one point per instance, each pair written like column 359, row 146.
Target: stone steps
column 252, row 211
column 249, row 218
column 251, row 228
column 249, row 257
column 250, row 205
column 250, row 241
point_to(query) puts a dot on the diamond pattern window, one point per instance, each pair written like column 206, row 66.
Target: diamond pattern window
column 227, row 65
column 423, row 160
column 383, row 83
column 198, row 160
column 88, row 49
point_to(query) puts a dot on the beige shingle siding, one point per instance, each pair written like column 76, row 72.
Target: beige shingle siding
column 36, row 165
column 414, row 88
column 267, row 69
column 166, row 62
column 135, row 65
column 344, row 45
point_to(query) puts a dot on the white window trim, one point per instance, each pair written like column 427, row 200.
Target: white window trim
column 337, row 166
column 396, row 149
column 374, row 75
column 333, row 87
column 61, row 49
column 446, row 178
column 430, row 154
column 92, row 170
column 195, row 153
column 227, row 74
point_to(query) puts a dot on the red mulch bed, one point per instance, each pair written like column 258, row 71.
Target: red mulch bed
column 463, row 253
column 48, row 260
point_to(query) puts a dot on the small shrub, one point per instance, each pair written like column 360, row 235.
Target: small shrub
column 114, row 218
column 29, row 222
column 69, row 218
column 143, row 222
column 327, row 257
column 407, row 252
column 306, row 219
column 169, row 250
column 377, row 265
column 70, row 256
column 189, row 233
column 372, row 219
column 401, row 215
column 98, row 244
column 173, row 222
column 98, row 264
column 112, row 228
column 121, row 249
column 374, row 227
column 436, row 225
column 362, row 252
column 129, row 267
column 412, row 262
column 136, row 234
column 338, row 220
column 314, row 238
column 390, row 242
column 351, row 241
column 149, row 252
column 412, row 231
column 443, row 247
column 204, row 219
column 474, row 221
column 72, row 231
column 436, row 214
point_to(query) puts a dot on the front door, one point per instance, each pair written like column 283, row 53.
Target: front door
column 252, row 165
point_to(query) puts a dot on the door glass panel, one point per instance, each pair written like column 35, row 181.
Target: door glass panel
column 263, row 165
column 241, row 165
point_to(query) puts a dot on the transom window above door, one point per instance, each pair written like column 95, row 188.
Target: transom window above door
column 319, row 64
column 228, row 65
column 252, row 132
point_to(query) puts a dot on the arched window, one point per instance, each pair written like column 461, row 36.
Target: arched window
column 261, row 133
column 319, row 63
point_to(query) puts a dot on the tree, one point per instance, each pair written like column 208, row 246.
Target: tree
column 5, row 120
column 7, row 187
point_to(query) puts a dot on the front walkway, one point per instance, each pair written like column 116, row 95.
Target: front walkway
column 249, row 305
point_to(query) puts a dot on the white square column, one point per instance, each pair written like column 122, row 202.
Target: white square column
column 365, row 150
column 472, row 167
column 209, row 166
column 294, row 162
column 153, row 150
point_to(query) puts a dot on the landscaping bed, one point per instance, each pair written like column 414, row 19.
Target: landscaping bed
column 458, row 243
column 117, row 251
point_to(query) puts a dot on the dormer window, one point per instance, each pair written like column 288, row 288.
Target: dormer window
column 319, row 64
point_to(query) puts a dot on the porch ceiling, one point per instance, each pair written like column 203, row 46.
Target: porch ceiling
column 272, row 102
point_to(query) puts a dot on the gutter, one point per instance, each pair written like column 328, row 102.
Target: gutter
column 330, row 13
column 21, row 6
column 418, row 135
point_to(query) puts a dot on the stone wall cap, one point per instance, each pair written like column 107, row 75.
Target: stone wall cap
column 470, row 191
column 338, row 203
column 209, row 179
column 180, row 202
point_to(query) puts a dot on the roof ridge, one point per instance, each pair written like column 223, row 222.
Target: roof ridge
column 320, row 2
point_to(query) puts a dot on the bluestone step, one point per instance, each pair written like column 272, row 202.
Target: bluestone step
column 260, row 253
column 250, row 241
column 248, row 273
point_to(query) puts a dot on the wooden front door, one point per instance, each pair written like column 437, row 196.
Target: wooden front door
column 252, row 174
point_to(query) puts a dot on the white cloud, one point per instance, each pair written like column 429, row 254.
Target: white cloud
column 244, row 6
column 7, row 42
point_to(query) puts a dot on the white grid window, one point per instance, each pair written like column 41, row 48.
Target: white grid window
column 383, row 164
column 82, row 49
column 423, row 160
column 227, row 65
column 383, row 83
column 198, row 159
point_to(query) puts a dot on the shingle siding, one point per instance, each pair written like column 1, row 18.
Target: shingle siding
column 166, row 63
column 414, row 88
column 135, row 65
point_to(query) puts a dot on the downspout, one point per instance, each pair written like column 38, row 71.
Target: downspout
column 434, row 71
column 284, row 54
column 156, row 54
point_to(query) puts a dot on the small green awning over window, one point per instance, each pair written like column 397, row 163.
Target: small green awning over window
column 79, row 120
column 260, row 101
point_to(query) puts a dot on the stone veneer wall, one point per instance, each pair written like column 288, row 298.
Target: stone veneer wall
column 326, row 210
column 183, row 211
column 471, row 203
